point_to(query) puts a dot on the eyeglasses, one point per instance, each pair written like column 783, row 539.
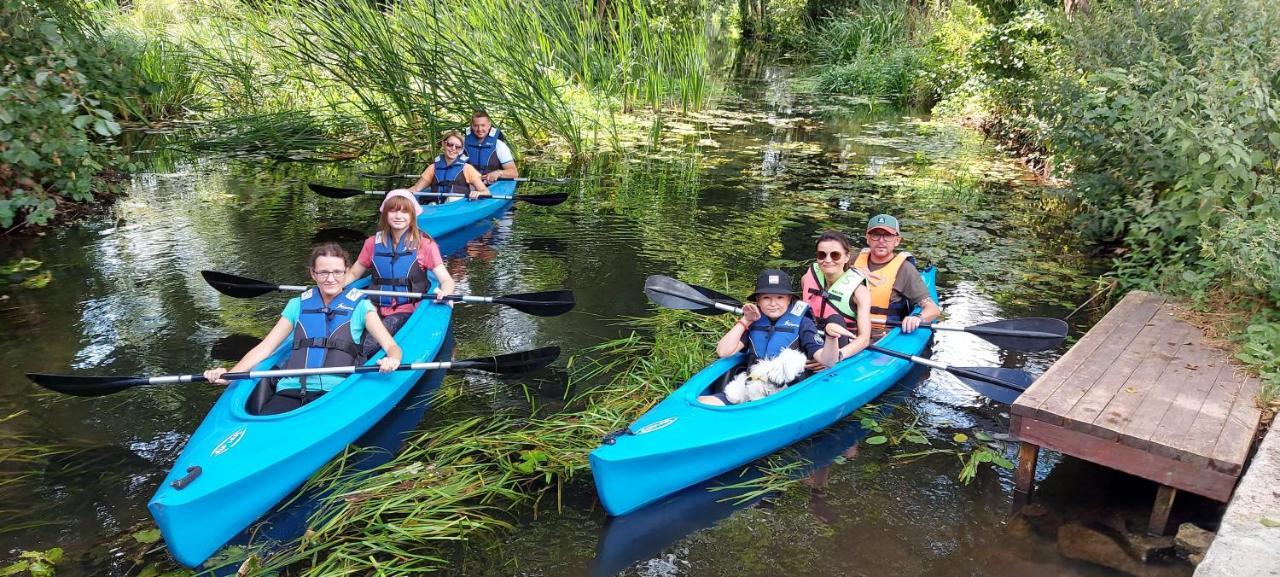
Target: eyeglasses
column 334, row 274
column 834, row 255
column 452, row 145
column 880, row 235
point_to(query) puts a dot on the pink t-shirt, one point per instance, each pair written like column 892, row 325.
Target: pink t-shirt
column 428, row 258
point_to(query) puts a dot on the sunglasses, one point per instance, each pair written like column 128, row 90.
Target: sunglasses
column 452, row 145
column 834, row 255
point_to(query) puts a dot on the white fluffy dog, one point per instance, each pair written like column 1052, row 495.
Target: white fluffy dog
column 766, row 377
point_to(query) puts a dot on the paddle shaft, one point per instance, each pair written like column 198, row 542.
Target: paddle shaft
column 985, row 330
column 944, row 367
column 403, row 294
column 518, row 179
column 280, row 373
column 444, row 194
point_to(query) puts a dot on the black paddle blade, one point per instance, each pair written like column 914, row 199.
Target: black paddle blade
column 236, row 286
column 999, row 384
column 233, row 347
column 512, row 363
column 85, row 386
column 1030, row 334
column 543, row 304
column 670, row 293
column 333, row 191
column 543, row 199
column 338, row 235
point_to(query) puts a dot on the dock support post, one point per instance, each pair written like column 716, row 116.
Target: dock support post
column 1160, row 511
column 1024, row 479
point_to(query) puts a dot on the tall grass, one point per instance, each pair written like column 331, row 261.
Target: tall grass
column 557, row 70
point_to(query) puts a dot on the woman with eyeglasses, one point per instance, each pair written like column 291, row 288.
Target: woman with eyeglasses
column 327, row 325
column 450, row 172
column 838, row 295
column 901, row 287
column 400, row 254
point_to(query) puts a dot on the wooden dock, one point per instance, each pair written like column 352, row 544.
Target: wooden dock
column 1142, row 393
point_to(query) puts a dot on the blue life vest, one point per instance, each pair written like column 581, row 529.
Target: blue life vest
column 768, row 338
column 397, row 269
column 322, row 334
column 482, row 153
column 449, row 177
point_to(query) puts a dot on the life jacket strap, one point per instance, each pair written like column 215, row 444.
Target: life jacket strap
column 323, row 343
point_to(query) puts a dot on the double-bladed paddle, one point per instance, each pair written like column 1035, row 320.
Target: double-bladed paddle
column 537, row 199
column 97, row 386
column 1024, row 334
column 1000, row 384
column 561, row 180
column 543, row 304
column 1028, row 334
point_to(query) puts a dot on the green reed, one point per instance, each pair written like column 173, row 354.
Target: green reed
column 548, row 71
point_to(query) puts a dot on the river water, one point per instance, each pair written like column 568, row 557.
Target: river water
column 719, row 194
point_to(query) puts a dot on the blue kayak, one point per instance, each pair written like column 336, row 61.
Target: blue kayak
column 240, row 465
column 441, row 219
column 681, row 442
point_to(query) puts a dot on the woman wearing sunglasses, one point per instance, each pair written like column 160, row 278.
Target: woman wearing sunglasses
column 326, row 325
column 450, row 172
column 837, row 295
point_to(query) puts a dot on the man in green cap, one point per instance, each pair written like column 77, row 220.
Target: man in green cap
column 901, row 287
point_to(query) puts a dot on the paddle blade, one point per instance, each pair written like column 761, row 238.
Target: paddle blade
column 233, row 347
column 85, row 386
column 543, row 199
column 236, row 286
column 333, row 191
column 543, row 304
column 1030, row 334
column 998, row 384
column 670, row 293
column 512, row 363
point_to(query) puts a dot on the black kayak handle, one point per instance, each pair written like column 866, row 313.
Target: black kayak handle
column 192, row 473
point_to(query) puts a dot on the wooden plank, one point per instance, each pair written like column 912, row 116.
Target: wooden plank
column 1044, row 387
column 1204, row 432
column 1180, row 392
column 1170, row 436
column 1084, row 416
column 1185, row 476
column 1144, row 381
column 1241, row 425
column 1053, row 408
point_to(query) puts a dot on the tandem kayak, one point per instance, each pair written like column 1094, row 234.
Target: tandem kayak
column 236, row 465
column 681, row 442
column 441, row 219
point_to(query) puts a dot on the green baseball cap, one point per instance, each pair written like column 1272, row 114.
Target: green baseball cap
column 883, row 221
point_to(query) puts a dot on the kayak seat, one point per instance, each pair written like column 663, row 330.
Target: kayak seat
column 265, row 400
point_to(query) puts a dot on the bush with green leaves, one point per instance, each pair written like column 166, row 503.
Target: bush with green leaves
column 1168, row 113
column 54, row 126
